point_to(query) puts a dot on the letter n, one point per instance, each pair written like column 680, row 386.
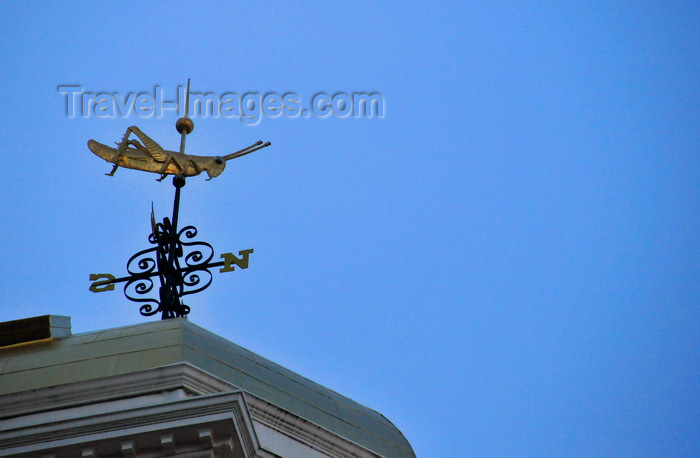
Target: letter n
column 231, row 259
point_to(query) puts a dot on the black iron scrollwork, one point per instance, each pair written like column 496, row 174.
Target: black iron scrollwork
column 180, row 263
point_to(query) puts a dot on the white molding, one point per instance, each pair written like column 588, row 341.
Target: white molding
column 158, row 380
column 46, row 412
column 303, row 430
column 225, row 411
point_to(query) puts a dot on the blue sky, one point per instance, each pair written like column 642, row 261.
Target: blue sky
column 505, row 264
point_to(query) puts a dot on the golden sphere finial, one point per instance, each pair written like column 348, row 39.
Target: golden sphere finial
column 184, row 124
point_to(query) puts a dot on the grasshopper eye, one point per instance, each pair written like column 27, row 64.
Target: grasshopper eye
column 218, row 160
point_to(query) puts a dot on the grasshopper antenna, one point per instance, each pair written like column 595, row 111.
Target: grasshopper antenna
column 247, row 150
column 185, row 125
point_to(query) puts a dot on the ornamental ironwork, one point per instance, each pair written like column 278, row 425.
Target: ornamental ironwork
column 176, row 265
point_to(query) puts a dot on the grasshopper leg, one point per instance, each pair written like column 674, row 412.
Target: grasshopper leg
column 114, row 169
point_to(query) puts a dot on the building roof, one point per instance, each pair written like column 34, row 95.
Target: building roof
column 146, row 346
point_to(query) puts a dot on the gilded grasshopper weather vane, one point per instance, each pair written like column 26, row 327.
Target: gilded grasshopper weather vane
column 179, row 263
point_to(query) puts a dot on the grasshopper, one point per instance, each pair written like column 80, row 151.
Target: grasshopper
column 149, row 156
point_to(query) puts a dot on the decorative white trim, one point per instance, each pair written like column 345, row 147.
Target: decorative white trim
column 303, row 430
column 166, row 378
column 173, row 396
column 224, row 411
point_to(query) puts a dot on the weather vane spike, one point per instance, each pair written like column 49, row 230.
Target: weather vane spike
column 180, row 263
column 185, row 125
